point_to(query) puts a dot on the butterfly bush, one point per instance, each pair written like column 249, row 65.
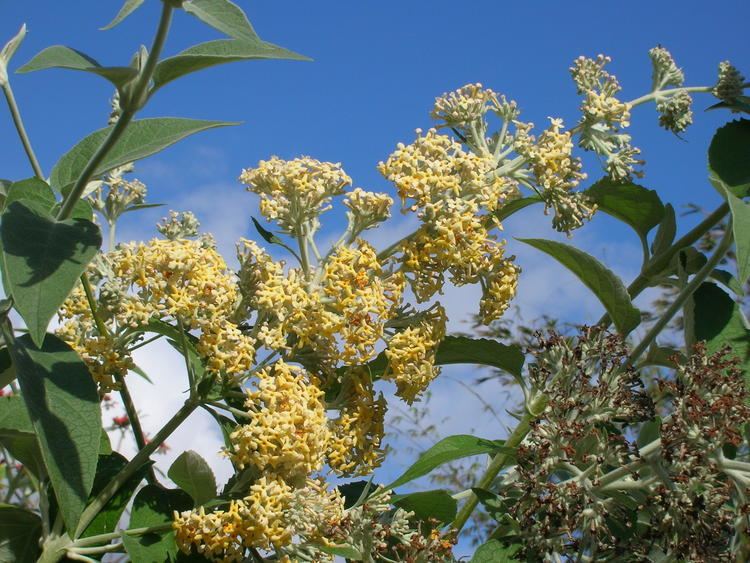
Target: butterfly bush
column 295, row 341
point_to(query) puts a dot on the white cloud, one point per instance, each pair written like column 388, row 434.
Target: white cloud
column 159, row 401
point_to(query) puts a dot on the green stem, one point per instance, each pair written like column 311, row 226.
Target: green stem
column 683, row 296
column 144, row 343
column 499, row 461
column 657, row 93
column 624, row 470
column 234, row 411
column 91, row 300
column 133, row 465
column 95, row 550
column 18, row 122
column 135, row 421
column 303, row 254
column 112, row 235
column 127, row 115
column 186, row 354
column 392, row 249
column 105, row 538
column 657, row 264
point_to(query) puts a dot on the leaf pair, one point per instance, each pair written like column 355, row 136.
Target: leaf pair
column 222, row 15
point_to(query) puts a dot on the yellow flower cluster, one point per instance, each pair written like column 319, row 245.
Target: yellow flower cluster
column 604, row 116
column 452, row 191
column 411, row 355
column 357, row 288
column 178, row 279
column 366, row 209
column 290, row 313
column 465, row 105
column 499, row 287
column 288, row 430
column 255, row 521
column 172, row 280
column 337, row 317
column 104, row 358
column 557, row 172
column 216, row 535
column 603, row 107
column 552, row 160
column 435, row 170
column 357, row 433
column 293, row 192
column 286, row 440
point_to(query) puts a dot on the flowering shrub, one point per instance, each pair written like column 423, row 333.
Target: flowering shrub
column 290, row 355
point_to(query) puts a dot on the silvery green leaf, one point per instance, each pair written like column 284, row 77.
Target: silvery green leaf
column 128, row 8
column 10, row 47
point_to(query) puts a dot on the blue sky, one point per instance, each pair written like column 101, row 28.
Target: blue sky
column 377, row 68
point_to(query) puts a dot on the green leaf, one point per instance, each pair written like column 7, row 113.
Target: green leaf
column 59, row 56
column 464, row 350
column 516, row 205
column 650, row 431
column 63, row 405
column 20, row 531
column 222, row 15
column 105, row 446
column 491, row 502
column 483, row 351
column 141, row 139
column 128, row 8
column 426, row 505
column 713, row 316
column 271, row 238
column 738, row 104
column 727, row 279
column 356, row 492
column 193, row 475
column 11, row 46
column 81, row 210
column 153, row 506
column 662, row 356
column 109, row 466
column 632, row 204
column 4, row 187
column 689, row 260
column 729, row 157
column 32, row 189
column 346, row 551
column 607, row 287
column 666, row 232
column 140, row 206
column 7, row 371
column 212, row 53
column 741, row 229
column 495, row 552
column 267, row 235
column 227, row 426
column 43, row 259
column 25, row 448
column 17, row 434
column 14, row 416
column 446, row 450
